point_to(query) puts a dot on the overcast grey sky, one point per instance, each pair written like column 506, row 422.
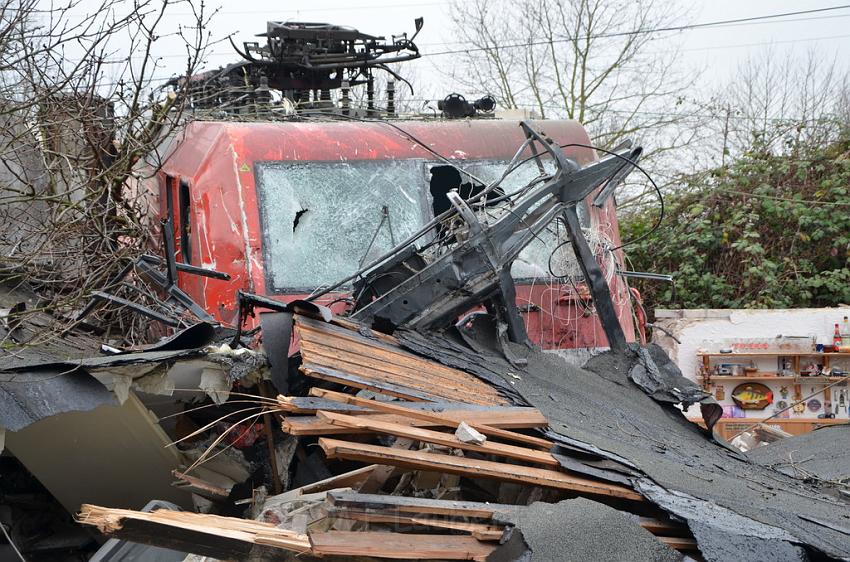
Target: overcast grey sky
column 716, row 51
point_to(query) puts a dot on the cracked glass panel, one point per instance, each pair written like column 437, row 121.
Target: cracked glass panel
column 533, row 261
column 322, row 221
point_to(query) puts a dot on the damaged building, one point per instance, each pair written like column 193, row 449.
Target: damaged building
column 408, row 340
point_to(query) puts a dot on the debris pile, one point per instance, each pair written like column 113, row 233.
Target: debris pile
column 400, row 432
column 404, row 485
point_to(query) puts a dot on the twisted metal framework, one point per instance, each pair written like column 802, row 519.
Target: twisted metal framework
column 299, row 59
column 428, row 280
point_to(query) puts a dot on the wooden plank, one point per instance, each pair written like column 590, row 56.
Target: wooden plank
column 660, row 527
column 347, row 351
column 391, row 408
column 480, row 531
column 442, row 389
column 405, row 504
column 400, row 546
column 353, row 501
column 349, row 479
column 353, row 326
column 472, row 468
column 176, row 524
column 369, row 358
column 438, row 438
column 312, row 425
column 382, row 473
column 319, row 372
column 391, row 354
column 200, row 486
column 680, row 543
column 309, row 405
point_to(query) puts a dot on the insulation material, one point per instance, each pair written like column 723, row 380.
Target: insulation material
column 112, row 455
column 216, row 384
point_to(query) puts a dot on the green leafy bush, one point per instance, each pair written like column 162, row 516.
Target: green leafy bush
column 766, row 231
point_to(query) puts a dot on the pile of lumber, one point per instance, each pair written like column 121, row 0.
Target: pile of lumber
column 531, row 465
column 383, row 416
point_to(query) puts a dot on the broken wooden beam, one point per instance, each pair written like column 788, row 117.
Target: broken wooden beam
column 473, row 468
column 350, row 479
column 480, row 531
column 312, row 425
column 199, row 486
column 437, row 418
column 209, row 535
column 680, row 543
column 405, row 504
column 438, row 438
column 309, row 405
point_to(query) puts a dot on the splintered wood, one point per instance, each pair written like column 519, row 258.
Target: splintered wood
column 400, row 546
column 407, row 433
column 195, row 532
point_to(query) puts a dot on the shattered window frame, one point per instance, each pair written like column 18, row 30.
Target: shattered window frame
column 269, row 245
column 419, row 168
column 524, row 270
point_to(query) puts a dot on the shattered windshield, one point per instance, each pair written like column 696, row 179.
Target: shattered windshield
column 323, row 220
column 533, row 260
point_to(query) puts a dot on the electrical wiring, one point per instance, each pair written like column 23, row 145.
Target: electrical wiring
column 631, row 162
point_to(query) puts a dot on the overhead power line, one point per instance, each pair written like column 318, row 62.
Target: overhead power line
column 664, row 29
column 726, row 46
column 765, row 22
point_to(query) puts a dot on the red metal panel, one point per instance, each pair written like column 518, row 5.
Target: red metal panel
column 218, row 161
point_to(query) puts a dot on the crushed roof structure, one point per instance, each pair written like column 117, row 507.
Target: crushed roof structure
column 811, row 456
column 603, row 437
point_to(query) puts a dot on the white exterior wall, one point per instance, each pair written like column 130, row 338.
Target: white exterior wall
column 694, row 327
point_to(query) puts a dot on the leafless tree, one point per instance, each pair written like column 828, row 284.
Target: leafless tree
column 783, row 101
column 590, row 60
column 81, row 117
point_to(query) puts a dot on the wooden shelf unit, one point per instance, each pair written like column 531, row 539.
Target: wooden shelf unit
column 777, row 354
column 761, row 375
column 728, row 427
column 774, row 377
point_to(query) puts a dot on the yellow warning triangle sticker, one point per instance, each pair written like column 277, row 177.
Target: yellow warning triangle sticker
column 245, row 167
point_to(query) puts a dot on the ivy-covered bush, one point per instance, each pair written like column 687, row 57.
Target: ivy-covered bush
column 766, row 231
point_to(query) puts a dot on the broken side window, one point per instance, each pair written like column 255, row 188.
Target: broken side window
column 533, row 261
column 323, row 220
column 185, row 222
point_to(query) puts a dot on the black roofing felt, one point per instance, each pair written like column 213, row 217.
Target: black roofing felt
column 26, row 397
column 823, row 453
column 106, row 361
column 718, row 491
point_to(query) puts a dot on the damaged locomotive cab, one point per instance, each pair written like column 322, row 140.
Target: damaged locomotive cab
column 424, row 284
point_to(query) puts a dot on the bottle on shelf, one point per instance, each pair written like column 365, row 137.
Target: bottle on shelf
column 845, row 331
column 836, row 338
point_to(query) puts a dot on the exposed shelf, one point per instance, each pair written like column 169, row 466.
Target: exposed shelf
column 768, row 420
column 777, row 354
column 762, row 376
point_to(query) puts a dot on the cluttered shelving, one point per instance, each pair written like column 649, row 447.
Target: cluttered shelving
column 795, row 383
